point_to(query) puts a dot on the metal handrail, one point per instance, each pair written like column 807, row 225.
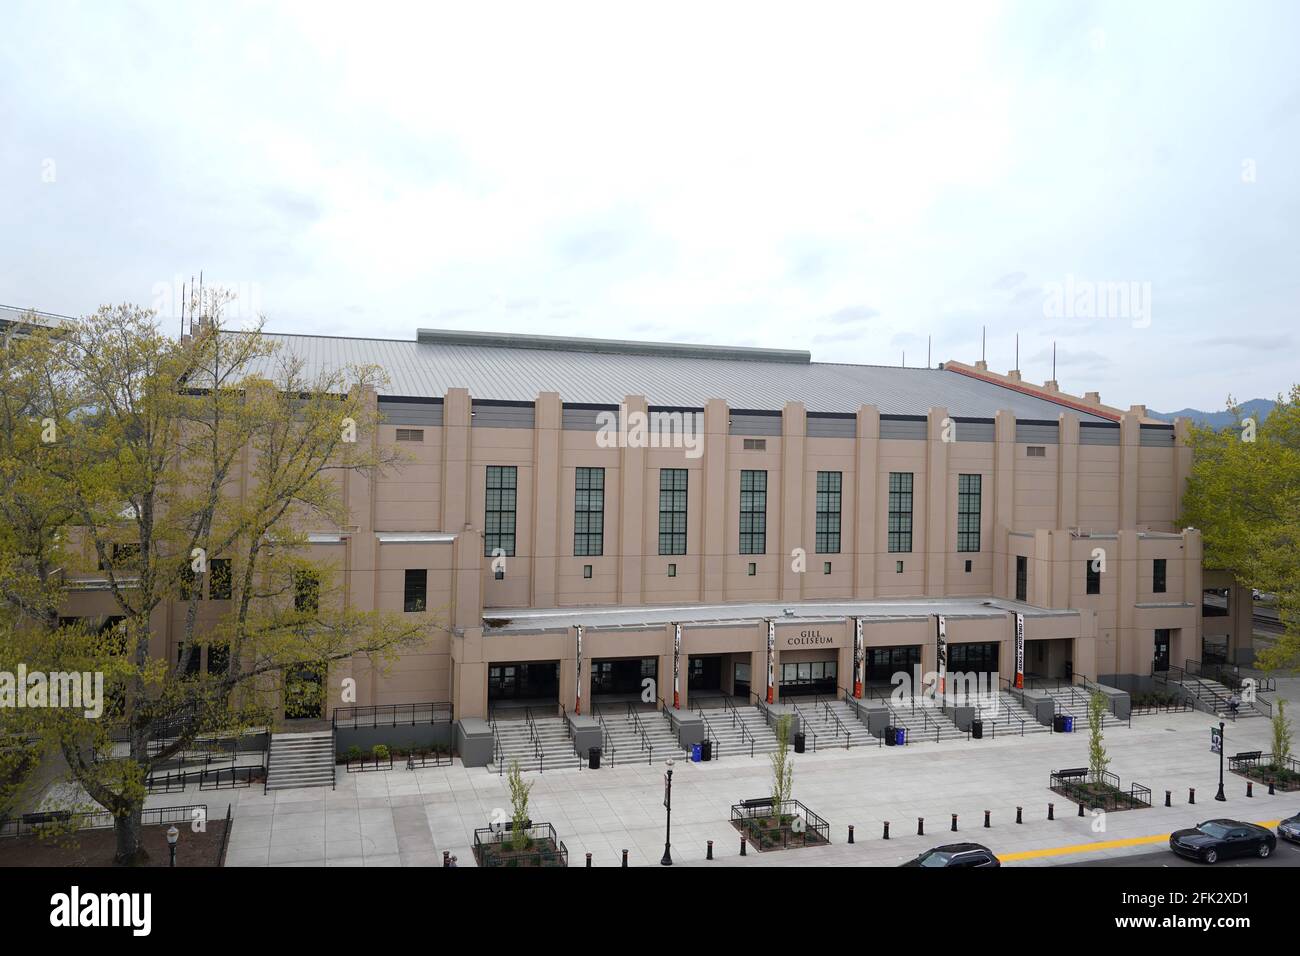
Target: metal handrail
column 839, row 725
column 708, row 734
column 737, row 721
column 803, row 723
column 605, row 738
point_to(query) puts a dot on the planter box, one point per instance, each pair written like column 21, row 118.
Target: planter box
column 786, row 827
column 367, row 764
column 495, row 849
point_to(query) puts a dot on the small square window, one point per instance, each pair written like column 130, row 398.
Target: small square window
column 753, row 569
column 1035, row 451
column 968, row 567
column 500, row 574
column 410, row 434
column 826, row 567
column 586, row 570
column 672, row 570
column 898, row 567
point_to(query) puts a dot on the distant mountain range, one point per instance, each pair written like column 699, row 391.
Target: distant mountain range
column 1257, row 408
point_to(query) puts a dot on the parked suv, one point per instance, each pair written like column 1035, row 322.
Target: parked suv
column 956, row 854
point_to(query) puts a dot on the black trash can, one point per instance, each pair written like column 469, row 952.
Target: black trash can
column 706, row 750
column 1058, row 724
column 799, row 743
column 593, row 758
column 891, row 736
column 977, row 729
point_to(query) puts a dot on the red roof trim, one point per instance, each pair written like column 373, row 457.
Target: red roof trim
column 1077, row 406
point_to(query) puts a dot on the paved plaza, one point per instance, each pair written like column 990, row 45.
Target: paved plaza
column 408, row 818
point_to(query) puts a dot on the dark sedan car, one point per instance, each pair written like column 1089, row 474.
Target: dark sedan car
column 1216, row 840
column 956, row 854
column 1289, row 829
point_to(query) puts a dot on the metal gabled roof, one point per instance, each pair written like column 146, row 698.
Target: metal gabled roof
column 513, row 371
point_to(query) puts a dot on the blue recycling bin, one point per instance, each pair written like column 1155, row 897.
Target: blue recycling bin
column 696, row 753
column 900, row 736
column 1069, row 724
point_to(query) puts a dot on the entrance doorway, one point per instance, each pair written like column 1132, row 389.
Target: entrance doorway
column 304, row 692
column 740, row 680
column 883, row 663
column 524, row 681
column 1161, row 662
column 805, row 678
column 973, row 658
column 704, row 673
column 1214, row 648
column 624, row 676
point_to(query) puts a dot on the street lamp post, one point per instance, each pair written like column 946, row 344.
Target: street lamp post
column 172, row 836
column 668, row 824
column 1222, row 747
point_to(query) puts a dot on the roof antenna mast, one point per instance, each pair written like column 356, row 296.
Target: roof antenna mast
column 927, row 351
column 1017, row 351
column 983, row 335
column 1053, row 361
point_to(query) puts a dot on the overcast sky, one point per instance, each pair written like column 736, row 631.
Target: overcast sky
column 843, row 179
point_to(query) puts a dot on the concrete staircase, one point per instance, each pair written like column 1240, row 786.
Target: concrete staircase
column 819, row 718
column 654, row 740
column 1216, row 695
column 739, row 731
column 300, row 760
column 924, row 722
column 1073, row 700
column 1004, row 716
column 542, row 745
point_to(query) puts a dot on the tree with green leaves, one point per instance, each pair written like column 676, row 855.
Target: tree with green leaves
column 1243, row 493
column 1098, row 760
column 1281, row 735
column 139, row 459
column 782, row 765
column 519, row 793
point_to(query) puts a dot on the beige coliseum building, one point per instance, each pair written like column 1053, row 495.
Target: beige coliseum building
column 783, row 527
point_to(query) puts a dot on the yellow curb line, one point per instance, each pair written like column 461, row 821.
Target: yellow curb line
column 1103, row 845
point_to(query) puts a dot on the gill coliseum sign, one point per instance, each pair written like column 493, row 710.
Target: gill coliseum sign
column 811, row 638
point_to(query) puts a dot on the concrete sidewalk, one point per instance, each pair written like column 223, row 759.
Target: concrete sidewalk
column 406, row 817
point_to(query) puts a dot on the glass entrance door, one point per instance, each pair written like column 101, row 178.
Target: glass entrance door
column 1161, row 662
column 539, row 680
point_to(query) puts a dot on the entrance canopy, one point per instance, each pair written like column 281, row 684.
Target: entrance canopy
column 524, row 620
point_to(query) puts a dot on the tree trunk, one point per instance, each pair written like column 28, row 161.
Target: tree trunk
column 130, row 851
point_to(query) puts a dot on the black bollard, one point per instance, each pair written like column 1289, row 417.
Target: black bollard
column 1250, row 789
column 446, row 858
column 1191, row 794
column 1019, row 814
column 742, row 846
column 1051, row 811
column 1270, row 789
column 709, row 855
column 850, row 832
column 986, row 819
column 625, row 858
column 954, row 823
column 1168, row 798
column 1081, row 809
column 920, row 826
column 886, row 833
column 588, row 860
